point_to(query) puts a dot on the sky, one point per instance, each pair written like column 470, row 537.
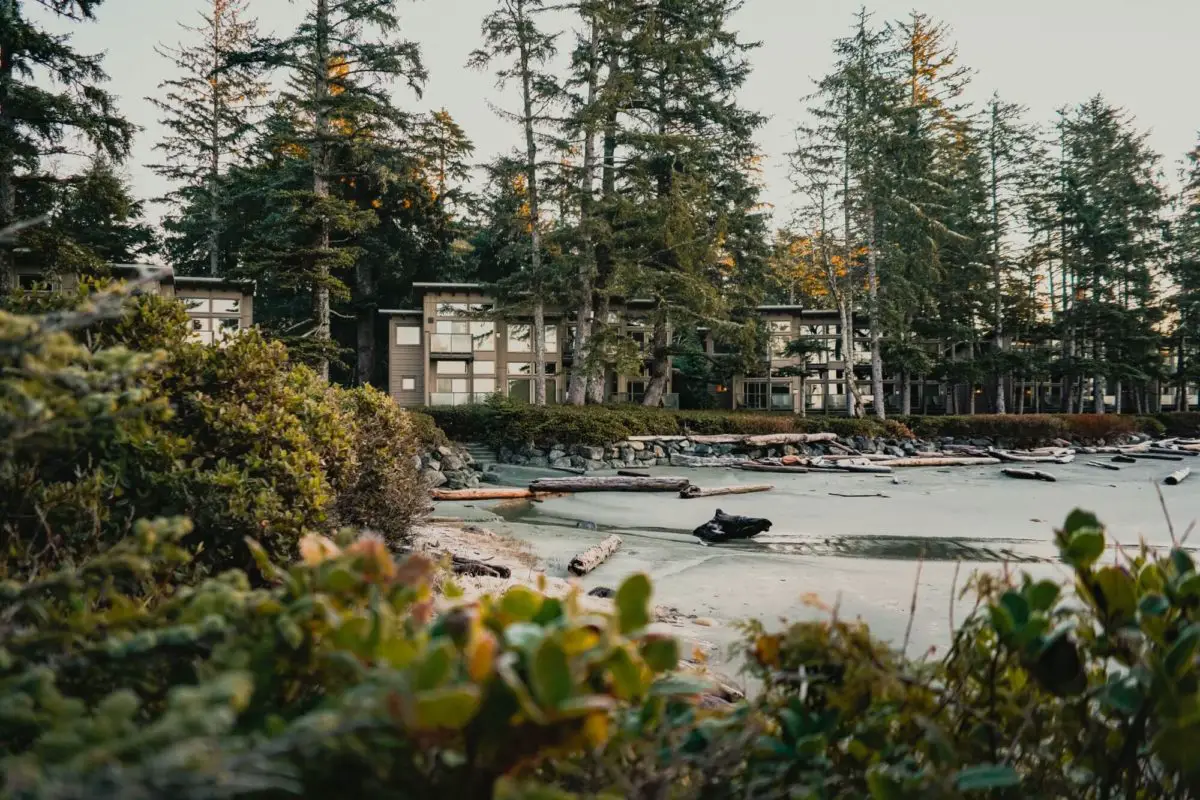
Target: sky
column 1141, row 55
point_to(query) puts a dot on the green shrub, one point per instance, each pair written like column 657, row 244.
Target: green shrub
column 237, row 438
column 1180, row 423
column 1026, row 429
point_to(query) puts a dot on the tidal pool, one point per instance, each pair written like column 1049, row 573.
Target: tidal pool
column 861, row 554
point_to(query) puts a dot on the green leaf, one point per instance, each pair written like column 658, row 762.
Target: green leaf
column 551, row 611
column 680, row 686
column 627, row 678
column 1117, row 592
column 1153, row 605
column 450, row 708
column 550, row 674
column 1079, row 520
column 1122, row 695
column 661, row 653
column 633, row 603
column 524, row 636
column 1084, row 549
column 521, row 603
column 1189, row 587
column 1150, row 579
column 1182, row 562
column 1043, row 595
column 985, row 777
column 435, row 669
column 1181, row 653
column 1017, row 607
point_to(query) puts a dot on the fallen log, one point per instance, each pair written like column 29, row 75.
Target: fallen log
column 838, row 494
column 478, row 569
column 884, row 468
column 1168, row 451
column 632, row 473
column 849, row 457
column 692, row 492
column 782, row 468
column 834, row 444
column 593, row 557
column 496, row 493
column 943, row 462
column 727, row 438
column 1029, row 474
column 726, row 527
column 656, row 438
column 609, row 484
column 1154, row 457
column 1124, row 459
column 790, row 438
column 1020, row 458
column 1102, row 465
column 1176, row 478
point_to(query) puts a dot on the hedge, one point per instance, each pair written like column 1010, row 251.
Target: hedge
column 504, row 423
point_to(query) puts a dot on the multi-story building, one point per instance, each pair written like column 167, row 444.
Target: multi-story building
column 454, row 351
column 218, row 307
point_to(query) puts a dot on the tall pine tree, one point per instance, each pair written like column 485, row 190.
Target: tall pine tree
column 209, row 111
column 39, row 121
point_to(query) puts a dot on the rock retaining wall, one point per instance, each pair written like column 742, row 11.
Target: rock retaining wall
column 677, row 451
column 450, row 468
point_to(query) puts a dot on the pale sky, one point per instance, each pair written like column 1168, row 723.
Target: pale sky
column 1142, row 55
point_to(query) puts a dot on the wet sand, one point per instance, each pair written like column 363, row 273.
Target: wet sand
column 861, row 554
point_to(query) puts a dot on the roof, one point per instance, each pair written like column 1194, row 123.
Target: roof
column 424, row 285
column 167, row 274
column 399, row 312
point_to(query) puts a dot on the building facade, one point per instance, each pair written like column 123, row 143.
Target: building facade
column 454, row 351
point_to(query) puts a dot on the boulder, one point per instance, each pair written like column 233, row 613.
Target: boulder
column 462, row 479
column 433, row 479
column 539, row 461
column 616, row 463
column 638, row 446
column 590, row 453
column 659, row 452
column 452, row 463
column 562, row 462
column 490, row 477
column 703, row 450
column 557, row 453
column 592, row 466
column 629, row 453
column 687, row 460
column 790, row 450
column 646, row 455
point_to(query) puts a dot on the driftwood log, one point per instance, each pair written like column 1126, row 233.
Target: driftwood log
column 1124, row 459
column 726, row 527
column 632, row 473
column 1029, row 474
column 692, row 492
column 479, row 569
column 1176, row 478
column 780, row 468
column 790, row 438
column 1102, row 465
column 609, row 484
column 593, row 557
column 1031, row 458
column 1171, row 451
column 965, row 461
column 497, row 493
column 1154, row 457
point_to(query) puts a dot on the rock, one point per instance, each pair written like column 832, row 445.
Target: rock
column 418, row 462
column 467, row 458
column 461, row 480
column 490, row 477
column 539, row 461
column 662, row 462
column 659, row 452
column 722, row 449
column 638, row 446
column 686, row 460
column 628, row 453
column 602, row 591
column 590, row 453
column 557, row 453
column 790, row 450
column 703, row 450
column 562, row 462
column 909, row 447
column 592, row 466
column 433, row 479
column 686, row 446
column 646, row 455
column 892, row 450
column 578, row 462
column 616, row 463
column 586, row 525
column 980, row 442
column 452, row 463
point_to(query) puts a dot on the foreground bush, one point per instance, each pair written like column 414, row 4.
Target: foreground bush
column 110, row 414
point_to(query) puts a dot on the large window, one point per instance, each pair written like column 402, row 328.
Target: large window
column 781, row 397
column 779, row 345
column 520, row 339
column 551, row 339
column 485, row 368
column 452, row 368
column 754, row 394
column 451, row 336
column 408, row 335
column 483, row 336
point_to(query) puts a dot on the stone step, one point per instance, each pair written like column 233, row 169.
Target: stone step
column 482, row 453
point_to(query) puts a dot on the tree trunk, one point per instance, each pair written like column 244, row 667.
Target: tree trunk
column 597, row 387
column 660, row 366
column 8, row 138
column 876, row 335
column 846, row 307
column 577, row 390
column 320, row 151
column 364, row 289
column 906, row 398
column 214, row 166
column 538, row 333
column 846, row 315
column 997, row 282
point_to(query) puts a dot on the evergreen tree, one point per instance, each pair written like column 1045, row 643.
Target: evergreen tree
column 37, row 123
column 341, row 62
column 209, row 112
column 1185, row 273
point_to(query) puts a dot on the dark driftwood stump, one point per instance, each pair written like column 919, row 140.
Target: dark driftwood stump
column 726, row 528
column 478, row 569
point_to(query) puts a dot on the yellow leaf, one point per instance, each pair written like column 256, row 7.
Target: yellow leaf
column 315, row 549
column 481, row 655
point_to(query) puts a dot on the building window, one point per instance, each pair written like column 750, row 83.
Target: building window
column 779, row 346
column 451, row 337
column 452, row 368
column 780, row 326
column 484, row 386
column 521, row 390
column 781, row 397
column 201, row 324
column 408, row 336
column 754, row 395
column 453, row 309
column 225, row 328
column 408, row 384
column 485, row 368
column 483, row 336
column 195, row 304
column 520, row 339
column 551, row 367
column 225, row 306
column 519, row 368
column 29, row 281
